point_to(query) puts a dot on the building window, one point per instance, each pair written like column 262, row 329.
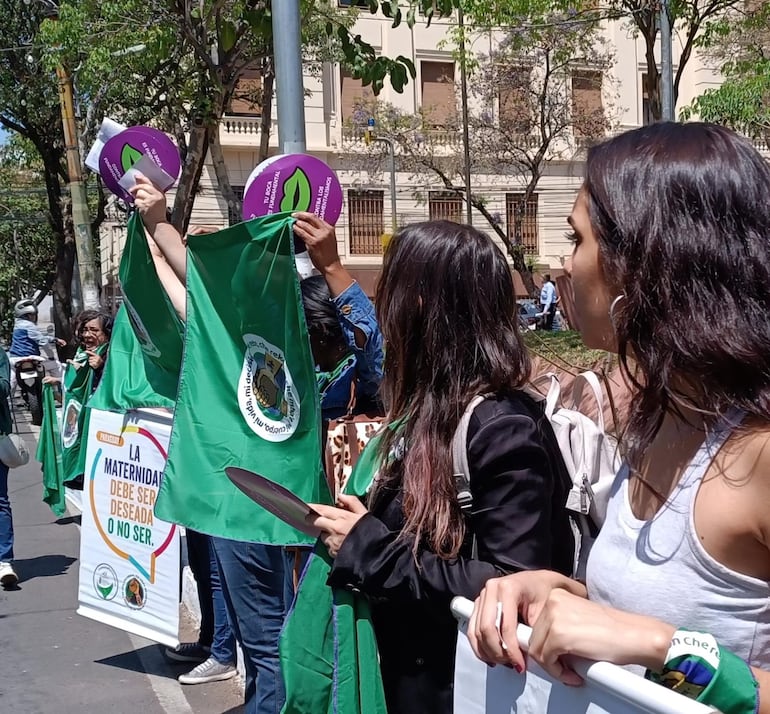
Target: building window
column 438, row 92
column 647, row 117
column 354, row 97
column 353, row 3
column 365, row 209
column 446, row 206
column 515, row 115
column 587, row 108
column 235, row 213
column 247, row 95
column 522, row 226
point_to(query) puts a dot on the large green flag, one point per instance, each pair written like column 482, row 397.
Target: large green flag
column 328, row 649
column 247, row 392
column 78, row 387
column 131, row 380
column 49, row 453
column 156, row 324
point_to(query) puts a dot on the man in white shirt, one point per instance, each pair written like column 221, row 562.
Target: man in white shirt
column 548, row 300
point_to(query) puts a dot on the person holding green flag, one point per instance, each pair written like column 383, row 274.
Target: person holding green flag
column 446, row 306
column 92, row 330
column 346, row 348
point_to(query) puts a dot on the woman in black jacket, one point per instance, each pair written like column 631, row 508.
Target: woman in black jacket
column 447, row 310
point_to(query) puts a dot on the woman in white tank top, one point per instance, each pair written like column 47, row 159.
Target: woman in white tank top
column 671, row 269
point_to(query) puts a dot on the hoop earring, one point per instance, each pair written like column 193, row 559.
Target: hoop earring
column 613, row 305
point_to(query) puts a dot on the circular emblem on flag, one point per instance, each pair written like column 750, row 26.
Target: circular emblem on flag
column 105, row 581
column 134, row 592
column 69, row 432
column 267, row 396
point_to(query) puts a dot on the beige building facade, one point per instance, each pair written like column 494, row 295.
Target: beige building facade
column 367, row 212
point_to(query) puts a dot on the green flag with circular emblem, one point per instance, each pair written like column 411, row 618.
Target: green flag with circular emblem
column 247, row 390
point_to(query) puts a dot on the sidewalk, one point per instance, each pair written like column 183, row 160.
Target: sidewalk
column 55, row 660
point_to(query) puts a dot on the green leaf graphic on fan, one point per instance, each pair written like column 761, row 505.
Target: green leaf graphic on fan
column 129, row 156
column 296, row 192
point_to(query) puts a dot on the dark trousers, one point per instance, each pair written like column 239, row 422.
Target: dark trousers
column 547, row 319
column 253, row 586
column 215, row 630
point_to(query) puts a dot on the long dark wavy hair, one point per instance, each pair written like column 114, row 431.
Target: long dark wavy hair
column 447, row 311
column 682, row 216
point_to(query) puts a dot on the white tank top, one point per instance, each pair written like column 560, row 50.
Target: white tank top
column 660, row 569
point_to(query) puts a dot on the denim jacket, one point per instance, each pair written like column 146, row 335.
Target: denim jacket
column 355, row 310
column 28, row 339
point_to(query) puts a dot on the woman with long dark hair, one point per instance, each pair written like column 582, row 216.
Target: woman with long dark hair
column 671, row 269
column 446, row 307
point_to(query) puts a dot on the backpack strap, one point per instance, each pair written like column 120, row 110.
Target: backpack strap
column 592, row 381
column 460, row 455
column 553, row 397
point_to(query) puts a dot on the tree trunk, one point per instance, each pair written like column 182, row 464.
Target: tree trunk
column 197, row 147
column 234, row 204
column 60, row 217
column 266, row 124
column 650, row 34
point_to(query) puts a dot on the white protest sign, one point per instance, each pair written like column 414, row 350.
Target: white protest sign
column 107, row 130
column 608, row 689
column 129, row 560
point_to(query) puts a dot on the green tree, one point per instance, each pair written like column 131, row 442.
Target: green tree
column 740, row 46
column 523, row 115
column 692, row 22
column 29, row 107
column 27, row 239
column 192, row 58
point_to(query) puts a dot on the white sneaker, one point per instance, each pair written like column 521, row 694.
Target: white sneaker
column 208, row 671
column 8, row 577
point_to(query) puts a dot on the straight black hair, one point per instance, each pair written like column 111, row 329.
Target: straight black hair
column 682, row 216
column 321, row 316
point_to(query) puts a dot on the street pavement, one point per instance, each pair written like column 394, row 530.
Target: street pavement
column 55, row 661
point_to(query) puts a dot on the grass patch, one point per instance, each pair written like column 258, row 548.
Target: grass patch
column 564, row 346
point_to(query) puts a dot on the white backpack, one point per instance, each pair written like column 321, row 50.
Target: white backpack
column 591, row 456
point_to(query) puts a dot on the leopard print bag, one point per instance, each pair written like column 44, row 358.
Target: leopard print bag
column 345, row 440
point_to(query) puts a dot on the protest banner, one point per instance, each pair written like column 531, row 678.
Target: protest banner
column 293, row 182
column 129, row 559
column 142, row 149
column 247, row 392
column 608, row 689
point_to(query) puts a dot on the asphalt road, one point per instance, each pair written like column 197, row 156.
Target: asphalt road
column 55, row 661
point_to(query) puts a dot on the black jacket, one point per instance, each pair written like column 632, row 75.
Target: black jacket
column 519, row 486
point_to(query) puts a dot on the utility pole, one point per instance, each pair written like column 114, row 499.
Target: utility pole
column 464, row 102
column 84, row 242
column 666, row 64
column 290, row 95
